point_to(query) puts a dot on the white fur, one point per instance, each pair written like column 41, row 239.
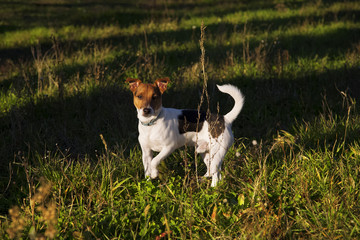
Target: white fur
column 164, row 137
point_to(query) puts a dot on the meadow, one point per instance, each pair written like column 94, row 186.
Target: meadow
column 70, row 162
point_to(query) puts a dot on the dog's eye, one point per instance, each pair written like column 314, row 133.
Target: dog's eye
column 139, row 96
column 154, row 96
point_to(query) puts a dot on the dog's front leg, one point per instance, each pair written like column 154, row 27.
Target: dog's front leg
column 156, row 160
column 146, row 158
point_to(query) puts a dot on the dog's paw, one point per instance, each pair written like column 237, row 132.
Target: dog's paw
column 154, row 173
column 147, row 175
column 216, row 177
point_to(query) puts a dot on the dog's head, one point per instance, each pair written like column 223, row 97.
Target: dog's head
column 147, row 97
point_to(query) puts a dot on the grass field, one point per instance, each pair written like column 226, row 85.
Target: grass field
column 70, row 162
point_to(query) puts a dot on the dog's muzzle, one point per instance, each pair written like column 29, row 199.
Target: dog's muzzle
column 147, row 111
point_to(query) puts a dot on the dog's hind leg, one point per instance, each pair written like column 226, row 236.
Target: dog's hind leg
column 215, row 166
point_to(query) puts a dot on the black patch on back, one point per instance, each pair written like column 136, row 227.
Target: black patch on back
column 188, row 121
column 193, row 121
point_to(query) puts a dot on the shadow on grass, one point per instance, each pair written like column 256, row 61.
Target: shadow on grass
column 73, row 123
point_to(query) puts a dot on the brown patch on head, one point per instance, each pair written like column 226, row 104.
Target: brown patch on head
column 147, row 95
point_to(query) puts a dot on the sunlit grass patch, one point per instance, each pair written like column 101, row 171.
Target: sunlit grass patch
column 33, row 36
column 316, row 30
column 10, row 100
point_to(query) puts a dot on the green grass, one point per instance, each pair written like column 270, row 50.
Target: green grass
column 71, row 164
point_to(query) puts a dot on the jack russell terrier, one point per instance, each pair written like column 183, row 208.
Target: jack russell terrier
column 164, row 130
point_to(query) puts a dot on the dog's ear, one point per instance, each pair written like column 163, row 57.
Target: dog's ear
column 162, row 84
column 134, row 83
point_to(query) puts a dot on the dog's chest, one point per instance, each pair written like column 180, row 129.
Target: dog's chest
column 158, row 135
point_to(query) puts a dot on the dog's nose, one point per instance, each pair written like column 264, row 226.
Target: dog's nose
column 147, row 110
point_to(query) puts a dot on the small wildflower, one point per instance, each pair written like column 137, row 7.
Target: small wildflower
column 17, row 224
column 42, row 192
column 50, row 218
column 50, row 232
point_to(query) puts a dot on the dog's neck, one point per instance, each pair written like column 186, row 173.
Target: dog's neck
column 152, row 122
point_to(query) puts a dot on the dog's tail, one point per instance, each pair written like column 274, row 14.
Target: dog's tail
column 235, row 93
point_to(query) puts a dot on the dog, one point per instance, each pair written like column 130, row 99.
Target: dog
column 164, row 130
